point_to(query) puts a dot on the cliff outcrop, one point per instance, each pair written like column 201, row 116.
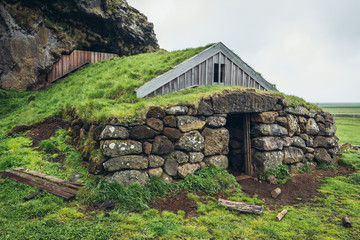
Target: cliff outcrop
column 33, row 34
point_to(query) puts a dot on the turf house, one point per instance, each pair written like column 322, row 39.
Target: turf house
column 246, row 130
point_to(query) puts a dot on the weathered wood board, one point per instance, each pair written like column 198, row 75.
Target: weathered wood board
column 51, row 184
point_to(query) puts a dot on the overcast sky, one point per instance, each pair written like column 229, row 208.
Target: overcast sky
column 308, row 48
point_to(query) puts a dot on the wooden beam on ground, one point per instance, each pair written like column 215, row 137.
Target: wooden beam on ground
column 31, row 196
column 53, row 188
column 239, row 206
column 281, row 214
column 51, row 178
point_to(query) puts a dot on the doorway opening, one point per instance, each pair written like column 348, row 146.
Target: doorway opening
column 239, row 155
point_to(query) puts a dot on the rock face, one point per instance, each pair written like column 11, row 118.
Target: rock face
column 34, row 33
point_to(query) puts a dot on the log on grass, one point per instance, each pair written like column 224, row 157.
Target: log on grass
column 281, row 214
column 31, row 196
column 276, row 192
column 242, row 207
column 346, row 222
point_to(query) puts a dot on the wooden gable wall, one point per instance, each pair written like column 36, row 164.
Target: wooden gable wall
column 203, row 74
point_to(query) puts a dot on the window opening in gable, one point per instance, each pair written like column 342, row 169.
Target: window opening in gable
column 216, row 72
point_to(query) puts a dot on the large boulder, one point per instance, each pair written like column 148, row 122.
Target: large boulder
column 242, row 102
column 264, row 117
column 220, row 161
column 205, row 107
column 195, row 157
column 171, row 166
column 143, row 132
column 292, row 126
column 293, row 155
column 155, row 112
column 162, row 145
column 128, row 178
column 172, row 133
column 325, row 142
column 155, row 172
column 155, row 161
column 321, row 155
column 266, row 160
column 268, row 143
column 311, row 127
column 114, row 132
column 300, row 111
column 187, row 169
column 177, row 110
column 126, row 162
column 180, row 156
column 329, row 129
column 170, row 121
column 298, row 142
column 191, row 142
column 34, row 34
column 115, row 148
column 188, row 123
column 269, row 130
column 216, row 141
column 216, row 121
column 155, row 124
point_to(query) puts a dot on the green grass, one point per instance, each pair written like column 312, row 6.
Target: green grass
column 348, row 130
column 105, row 89
column 97, row 91
column 50, row 217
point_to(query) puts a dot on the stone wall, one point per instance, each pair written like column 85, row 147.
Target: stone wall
column 179, row 140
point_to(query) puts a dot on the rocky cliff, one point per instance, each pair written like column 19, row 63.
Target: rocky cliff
column 33, row 34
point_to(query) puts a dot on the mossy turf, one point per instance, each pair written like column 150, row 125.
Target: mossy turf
column 105, row 89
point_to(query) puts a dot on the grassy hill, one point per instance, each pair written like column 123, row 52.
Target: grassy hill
column 105, row 89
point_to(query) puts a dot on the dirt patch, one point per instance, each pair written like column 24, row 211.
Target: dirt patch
column 180, row 201
column 45, row 130
column 302, row 189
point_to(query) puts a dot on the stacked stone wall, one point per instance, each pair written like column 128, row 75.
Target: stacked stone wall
column 180, row 140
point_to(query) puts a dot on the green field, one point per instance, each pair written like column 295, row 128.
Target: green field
column 340, row 107
column 348, row 130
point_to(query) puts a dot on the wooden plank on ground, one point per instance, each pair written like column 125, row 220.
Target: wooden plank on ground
column 51, row 178
column 242, row 207
column 22, row 179
column 45, row 182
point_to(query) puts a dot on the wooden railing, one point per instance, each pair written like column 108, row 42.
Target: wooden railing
column 77, row 59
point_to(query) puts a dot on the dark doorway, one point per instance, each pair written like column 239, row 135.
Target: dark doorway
column 239, row 144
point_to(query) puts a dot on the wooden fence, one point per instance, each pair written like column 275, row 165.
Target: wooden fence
column 77, row 59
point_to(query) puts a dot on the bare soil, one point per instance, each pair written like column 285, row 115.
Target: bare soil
column 46, row 130
column 302, row 189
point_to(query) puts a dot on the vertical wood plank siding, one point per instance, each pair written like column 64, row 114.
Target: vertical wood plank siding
column 77, row 59
column 203, row 74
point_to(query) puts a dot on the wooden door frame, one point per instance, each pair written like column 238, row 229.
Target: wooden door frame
column 248, row 169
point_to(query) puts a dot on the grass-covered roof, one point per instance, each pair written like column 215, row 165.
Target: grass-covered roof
column 102, row 90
